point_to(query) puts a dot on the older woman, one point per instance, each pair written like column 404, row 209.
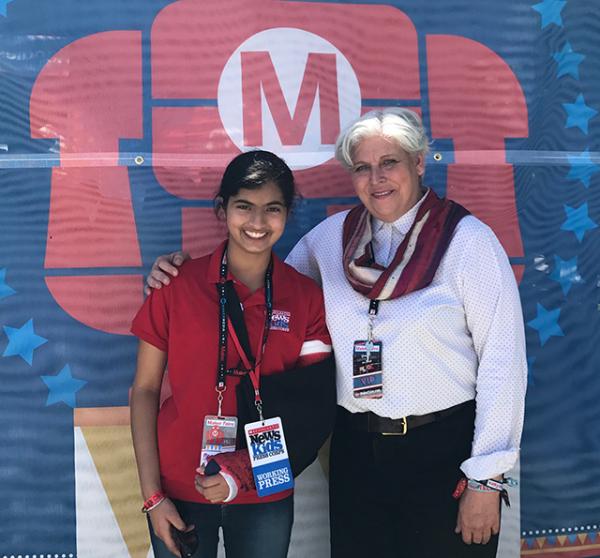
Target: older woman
column 427, row 330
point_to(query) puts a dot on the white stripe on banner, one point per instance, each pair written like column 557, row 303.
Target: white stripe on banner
column 98, row 533
column 314, row 347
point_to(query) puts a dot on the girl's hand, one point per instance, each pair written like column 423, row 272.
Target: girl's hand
column 164, row 517
column 214, row 487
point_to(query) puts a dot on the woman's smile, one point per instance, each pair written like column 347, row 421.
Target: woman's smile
column 386, row 178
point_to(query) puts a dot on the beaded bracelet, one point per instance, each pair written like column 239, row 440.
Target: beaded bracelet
column 153, row 501
column 478, row 486
column 491, row 485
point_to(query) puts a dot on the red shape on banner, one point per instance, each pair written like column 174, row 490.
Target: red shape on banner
column 89, row 96
column 386, row 35
column 91, row 221
column 201, row 231
column 190, row 150
column 104, row 302
column 184, row 29
column 476, row 100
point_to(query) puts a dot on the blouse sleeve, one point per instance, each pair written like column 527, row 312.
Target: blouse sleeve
column 495, row 319
column 317, row 343
column 151, row 323
column 302, row 258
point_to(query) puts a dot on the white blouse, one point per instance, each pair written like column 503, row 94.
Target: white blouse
column 461, row 338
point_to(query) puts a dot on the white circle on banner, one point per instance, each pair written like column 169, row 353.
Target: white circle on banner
column 304, row 71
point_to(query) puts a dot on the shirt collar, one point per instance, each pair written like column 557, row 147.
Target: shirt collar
column 403, row 223
column 214, row 264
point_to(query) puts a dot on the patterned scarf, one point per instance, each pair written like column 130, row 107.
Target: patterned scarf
column 417, row 257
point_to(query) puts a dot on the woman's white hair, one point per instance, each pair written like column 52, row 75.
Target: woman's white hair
column 399, row 124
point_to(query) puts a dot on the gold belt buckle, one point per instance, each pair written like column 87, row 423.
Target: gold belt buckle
column 404, row 429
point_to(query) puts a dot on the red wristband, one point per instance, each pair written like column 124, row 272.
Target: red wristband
column 461, row 485
column 153, row 501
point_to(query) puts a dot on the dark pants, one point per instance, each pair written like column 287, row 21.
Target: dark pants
column 249, row 530
column 391, row 496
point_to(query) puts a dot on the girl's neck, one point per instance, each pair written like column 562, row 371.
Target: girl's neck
column 250, row 269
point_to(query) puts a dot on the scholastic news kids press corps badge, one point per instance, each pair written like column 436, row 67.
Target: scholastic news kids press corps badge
column 269, row 456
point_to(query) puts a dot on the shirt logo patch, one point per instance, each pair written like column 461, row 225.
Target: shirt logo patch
column 280, row 320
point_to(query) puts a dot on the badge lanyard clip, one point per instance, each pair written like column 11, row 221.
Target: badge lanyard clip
column 373, row 309
column 220, row 393
column 258, row 403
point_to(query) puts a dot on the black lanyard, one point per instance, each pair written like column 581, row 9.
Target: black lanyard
column 224, row 322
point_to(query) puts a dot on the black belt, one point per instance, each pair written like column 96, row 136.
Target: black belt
column 370, row 422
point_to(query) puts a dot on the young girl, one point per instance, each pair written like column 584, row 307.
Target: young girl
column 183, row 324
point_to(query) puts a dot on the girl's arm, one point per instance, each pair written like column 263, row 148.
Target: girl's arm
column 145, row 396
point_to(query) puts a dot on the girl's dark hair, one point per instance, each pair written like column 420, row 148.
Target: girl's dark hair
column 252, row 170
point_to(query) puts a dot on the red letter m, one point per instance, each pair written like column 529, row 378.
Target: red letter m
column 258, row 75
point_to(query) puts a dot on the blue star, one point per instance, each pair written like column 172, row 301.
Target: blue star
column 546, row 324
column 5, row 290
column 550, row 11
column 565, row 273
column 3, row 4
column 582, row 168
column 578, row 221
column 568, row 61
column 579, row 114
column 22, row 341
column 62, row 387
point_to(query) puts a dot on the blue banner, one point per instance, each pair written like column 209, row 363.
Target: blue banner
column 117, row 120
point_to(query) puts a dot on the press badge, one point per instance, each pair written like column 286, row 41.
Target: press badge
column 218, row 436
column 269, row 456
column 367, row 373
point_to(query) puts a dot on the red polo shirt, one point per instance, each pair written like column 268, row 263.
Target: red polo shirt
column 182, row 319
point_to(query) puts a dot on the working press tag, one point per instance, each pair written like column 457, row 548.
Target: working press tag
column 367, row 373
column 269, row 456
column 218, row 436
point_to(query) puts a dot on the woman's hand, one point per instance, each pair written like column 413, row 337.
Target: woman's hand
column 163, row 518
column 213, row 487
column 478, row 516
column 163, row 268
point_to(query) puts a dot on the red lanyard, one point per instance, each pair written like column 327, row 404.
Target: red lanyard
column 253, row 371
column 225, row 326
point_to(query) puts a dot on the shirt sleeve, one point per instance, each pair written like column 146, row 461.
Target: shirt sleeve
column 495, row 320
column 317, row 343
column 151, row 323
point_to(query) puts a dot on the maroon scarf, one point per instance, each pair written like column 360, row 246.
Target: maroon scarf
column 417, row 257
